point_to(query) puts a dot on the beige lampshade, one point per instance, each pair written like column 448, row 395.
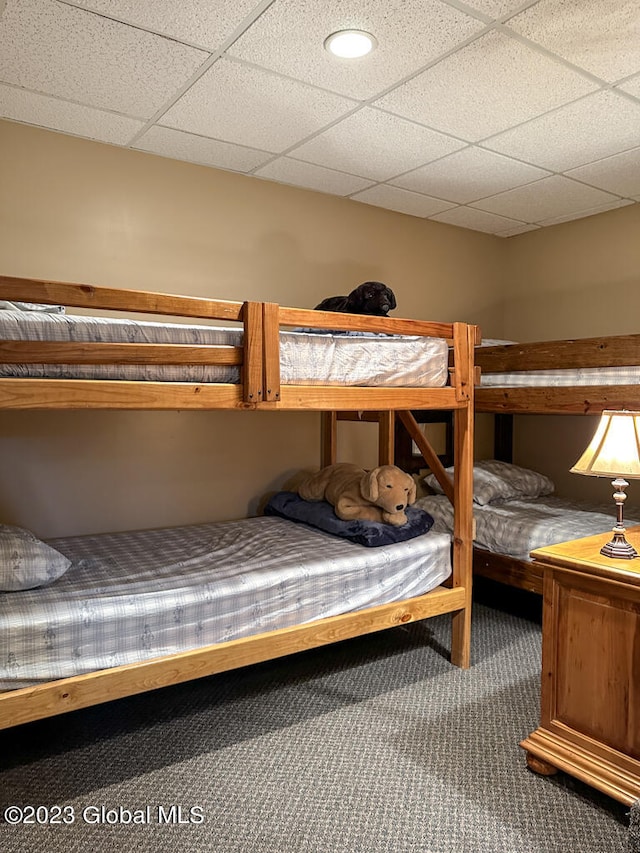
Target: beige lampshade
column 614, row 450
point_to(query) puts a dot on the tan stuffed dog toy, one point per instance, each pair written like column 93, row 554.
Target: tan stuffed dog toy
column 381, row 494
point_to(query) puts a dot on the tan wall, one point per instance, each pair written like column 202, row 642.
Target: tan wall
column 579, row 279
column 75, row 210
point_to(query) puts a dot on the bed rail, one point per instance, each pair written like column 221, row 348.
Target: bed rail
column 600, row 352
column 462, row 338
column 120, row 394
column 258, row 358
column 608, row 351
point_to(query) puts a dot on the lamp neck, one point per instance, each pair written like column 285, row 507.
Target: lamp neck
column 619, row 496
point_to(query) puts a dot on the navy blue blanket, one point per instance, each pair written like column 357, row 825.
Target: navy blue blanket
column 320, row 514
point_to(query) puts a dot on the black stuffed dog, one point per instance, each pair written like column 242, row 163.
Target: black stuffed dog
column 371, row 297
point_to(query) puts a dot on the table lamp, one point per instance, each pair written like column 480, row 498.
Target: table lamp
column 614, row 451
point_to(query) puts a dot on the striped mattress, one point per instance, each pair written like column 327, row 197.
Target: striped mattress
column 129, row 597
column 517, row 527
column 306, row 358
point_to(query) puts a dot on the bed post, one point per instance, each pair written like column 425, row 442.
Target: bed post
column 503, row 438
column 271, row 351
column 253, row 344
column 328, row 439
column 386, row 437
column 464, row 340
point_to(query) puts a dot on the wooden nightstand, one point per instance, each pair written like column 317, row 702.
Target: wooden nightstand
column 590, row 704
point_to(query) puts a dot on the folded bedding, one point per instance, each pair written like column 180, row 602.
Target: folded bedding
column 129, row 597
column 306, row 358
column 371, row 534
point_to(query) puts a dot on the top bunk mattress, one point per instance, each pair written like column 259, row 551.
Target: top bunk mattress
column 129, row 597
column 306, row 357
column 587, row 376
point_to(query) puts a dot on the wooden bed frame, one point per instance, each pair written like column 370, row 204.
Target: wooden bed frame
column 504, row 403
column 260, row 388
column 608, row 351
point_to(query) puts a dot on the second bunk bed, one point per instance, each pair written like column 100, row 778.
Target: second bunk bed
column 515, row 509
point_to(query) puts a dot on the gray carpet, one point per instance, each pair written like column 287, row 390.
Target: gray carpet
column 376, row 744
column 634, row 827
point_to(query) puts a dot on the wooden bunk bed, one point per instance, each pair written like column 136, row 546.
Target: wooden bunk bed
column 581, row 376
column 533, row 360
column 259, row 387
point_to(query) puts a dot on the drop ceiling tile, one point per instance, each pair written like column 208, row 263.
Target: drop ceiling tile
column 200, row 149
column 618, row 174
column 601, row 36
column 289, row 38
column 550, row 197
column 594, row 127
column 496, row 8
column 468, row 175
column 520, row 229
column 376, row 145
column 632, row 86
column 29, row 107
column 61, row 50
column 556, row 220
column 476, row 220
column 290, row 171
column 252, row 107
column 485, row 88
column 402, row 201
column 199, row 22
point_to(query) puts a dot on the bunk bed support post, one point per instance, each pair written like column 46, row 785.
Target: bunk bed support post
column 271, row 351
column 464, row 341
column 503, row 437
column 328, row 439
column 386, row 437
column 253, row 352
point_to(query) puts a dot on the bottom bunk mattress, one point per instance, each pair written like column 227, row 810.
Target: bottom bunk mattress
column 128, row 597
column 517, row 527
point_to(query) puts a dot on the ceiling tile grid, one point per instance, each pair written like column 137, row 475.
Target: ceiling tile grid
column 500, row 116
column 602, row 37
column 250, row 106
column 403, row 201
column 287, row 170
column 618, row 174
column 65, row 52
column 289, row 38
column 200, row 23
column 376, row 145
column 485, row 88
column 200, row 149
column 66, row 116
column 469, row 175
column 547, row 198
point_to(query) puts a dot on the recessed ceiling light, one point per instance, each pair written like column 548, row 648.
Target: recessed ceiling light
column 350, row 44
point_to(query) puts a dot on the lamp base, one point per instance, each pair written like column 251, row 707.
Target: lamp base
column 619, row 548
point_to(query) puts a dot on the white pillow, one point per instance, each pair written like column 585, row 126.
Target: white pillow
column 26, row 562
column 494, row 482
